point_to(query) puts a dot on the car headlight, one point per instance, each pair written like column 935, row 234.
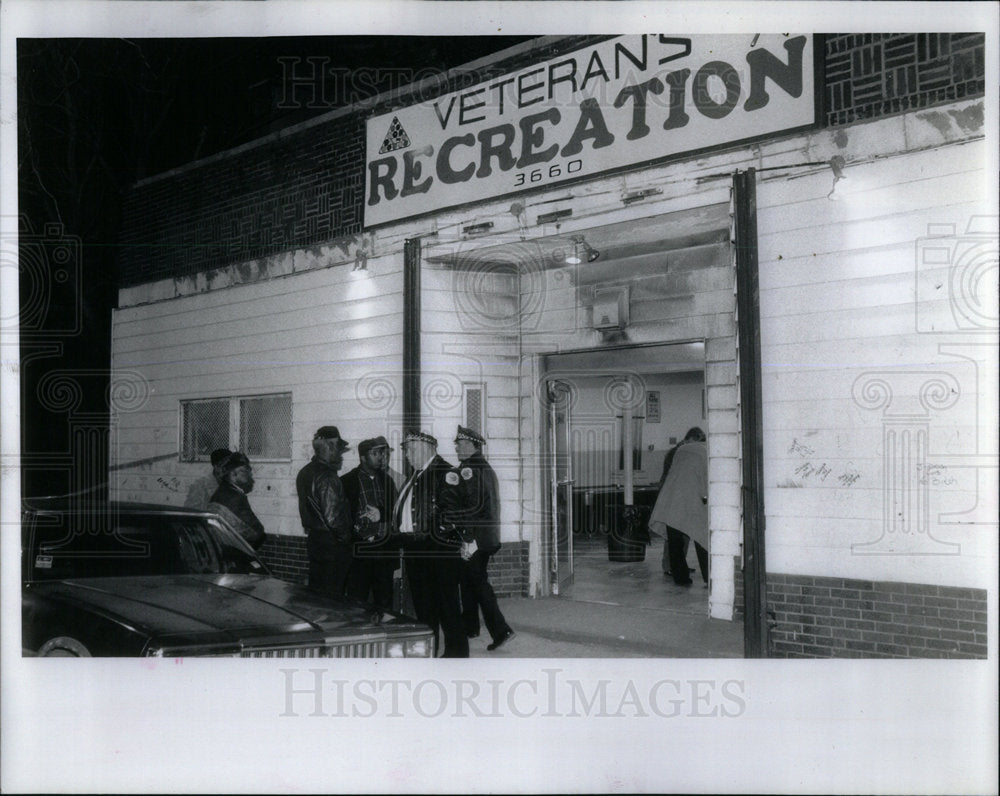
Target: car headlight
column 409, row 648
column 418, row 648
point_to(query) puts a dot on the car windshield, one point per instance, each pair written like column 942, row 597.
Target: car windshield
column 65, row 545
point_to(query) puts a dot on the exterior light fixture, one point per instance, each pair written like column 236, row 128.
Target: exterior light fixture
column 837, row 166
column 579, row 242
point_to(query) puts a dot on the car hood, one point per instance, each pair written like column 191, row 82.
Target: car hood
column 224, row 606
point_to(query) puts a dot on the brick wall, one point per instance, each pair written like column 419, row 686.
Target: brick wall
column 286, row 557
column 307, row 187
column 509, row 570
column 292, row 191
column 843, row 618
column 297, row 191
column 739, row 598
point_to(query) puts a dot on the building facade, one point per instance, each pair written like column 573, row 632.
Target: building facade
column 582, row 248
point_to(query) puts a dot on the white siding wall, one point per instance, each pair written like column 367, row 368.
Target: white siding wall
column 469, row 334
column 872, row 405
column 330, row 337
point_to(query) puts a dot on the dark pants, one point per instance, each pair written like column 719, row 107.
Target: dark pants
column 434, row 586
column 678, row 562
column 329, row 577
column 478, row 593
column 371, row 576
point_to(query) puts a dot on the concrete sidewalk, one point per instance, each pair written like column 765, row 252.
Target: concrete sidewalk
column 561, row 627
column 616, row 610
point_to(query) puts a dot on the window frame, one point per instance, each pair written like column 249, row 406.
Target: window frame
column 235, row 403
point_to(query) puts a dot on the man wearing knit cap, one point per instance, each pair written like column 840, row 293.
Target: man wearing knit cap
column 326, row 514
column 201, row 490
column 430, row 551
column 476, row 513
column 230, row 499
column 372, row 494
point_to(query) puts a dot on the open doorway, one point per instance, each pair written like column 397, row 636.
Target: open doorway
column 613, row 415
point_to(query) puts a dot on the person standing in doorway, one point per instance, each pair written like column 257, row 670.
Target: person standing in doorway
column 326, row 514
column 476, row 513
column 682, row 506
column 430, row 553
column 230, row 500
column 372, row 494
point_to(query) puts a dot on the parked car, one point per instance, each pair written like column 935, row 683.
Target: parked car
column 128, row 579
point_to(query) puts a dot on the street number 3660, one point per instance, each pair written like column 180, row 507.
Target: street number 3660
column 555, row 170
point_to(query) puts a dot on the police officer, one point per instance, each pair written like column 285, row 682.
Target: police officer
column 476, row 514
column 430, row 551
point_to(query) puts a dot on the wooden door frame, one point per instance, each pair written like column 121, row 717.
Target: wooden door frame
column 756, row 631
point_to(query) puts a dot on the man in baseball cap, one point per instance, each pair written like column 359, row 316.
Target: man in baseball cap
column 326, row 514
column 372, row 493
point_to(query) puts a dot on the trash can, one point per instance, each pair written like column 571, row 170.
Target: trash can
column 629, row 534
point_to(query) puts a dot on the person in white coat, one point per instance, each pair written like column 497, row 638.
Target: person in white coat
column 682, row 506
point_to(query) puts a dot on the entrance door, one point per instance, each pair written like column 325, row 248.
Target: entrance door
column 560, row 478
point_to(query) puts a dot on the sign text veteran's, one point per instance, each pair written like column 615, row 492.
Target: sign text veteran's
column 624, row 101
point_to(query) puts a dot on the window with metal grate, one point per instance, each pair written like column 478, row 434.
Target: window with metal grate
column 258, row 425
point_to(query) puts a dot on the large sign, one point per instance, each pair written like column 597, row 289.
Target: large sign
column 624, row 101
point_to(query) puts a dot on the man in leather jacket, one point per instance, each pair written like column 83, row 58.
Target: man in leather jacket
column 430, row 551
column 326, row 514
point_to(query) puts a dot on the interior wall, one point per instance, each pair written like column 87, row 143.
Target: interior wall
column 597, row 426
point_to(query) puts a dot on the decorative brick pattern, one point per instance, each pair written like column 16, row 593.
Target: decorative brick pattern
column 816, row 617
column 286, row 557
column 307, row 187
column 877, row 74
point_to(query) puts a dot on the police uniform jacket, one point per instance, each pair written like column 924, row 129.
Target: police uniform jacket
column 476, row 509
column 426, row 510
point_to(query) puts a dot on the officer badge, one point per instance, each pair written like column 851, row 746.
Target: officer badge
column 466, row 473
column 451, row 478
